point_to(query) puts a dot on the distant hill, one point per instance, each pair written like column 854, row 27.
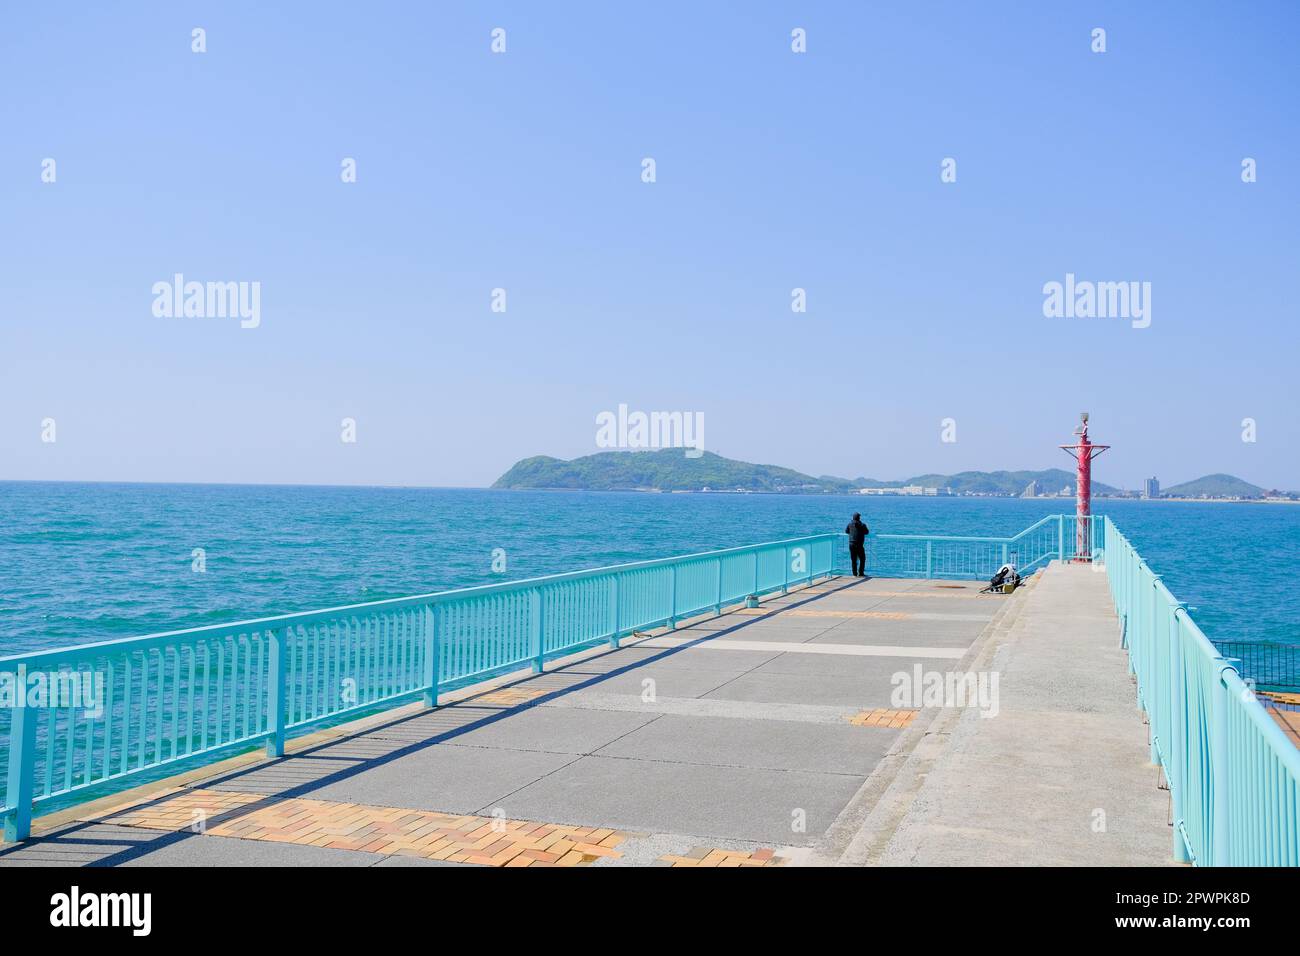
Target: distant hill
column 992, row 482
column 666, row 469
column 1214, row 486
column 1001, row 482
column 669, row 469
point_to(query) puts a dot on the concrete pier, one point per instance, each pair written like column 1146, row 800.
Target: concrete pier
column 760, row 737
column 1061, row 777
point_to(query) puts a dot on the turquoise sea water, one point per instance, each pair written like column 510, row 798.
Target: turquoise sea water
column 87, row 562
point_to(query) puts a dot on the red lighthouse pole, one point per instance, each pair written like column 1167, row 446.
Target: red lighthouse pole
column 1084, row 451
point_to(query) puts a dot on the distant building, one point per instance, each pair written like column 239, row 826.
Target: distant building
column 1067, row 491
column 905, row 490
column 1151, row 488
column 1031, row 490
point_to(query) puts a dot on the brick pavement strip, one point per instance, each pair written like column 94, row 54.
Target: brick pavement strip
column 883, row 717
column 712, row 857
column 437, row 836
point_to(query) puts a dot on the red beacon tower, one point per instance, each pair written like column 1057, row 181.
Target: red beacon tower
column 1083, row 451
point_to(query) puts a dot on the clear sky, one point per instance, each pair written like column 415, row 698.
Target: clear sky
column 523, row 170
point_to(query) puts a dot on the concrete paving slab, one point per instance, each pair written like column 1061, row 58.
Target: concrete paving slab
column 914, row 603
column 823, row 648
column 80, row 844
column 289, row 773
column 761, row 744
column 554, row 730
column 431, row 724
column 841, row 601
column 107, row 844
column 446, row 778
column 197, row 850
column 740, row 656
column 873, row 673
column 777, row 630
column 604, row 663
column 665, row 680
column 704, row 707
column 918, row 633
column 835, row 688
column 731, row 802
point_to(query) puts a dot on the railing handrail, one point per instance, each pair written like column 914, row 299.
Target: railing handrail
column 1265, row 724
column 1231, row 767
column 76, row 652
column 1238, row 642
column 990, row 539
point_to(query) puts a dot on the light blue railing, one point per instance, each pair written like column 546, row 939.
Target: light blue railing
column 937, row 556
column 1234, row 777
column 201, row 694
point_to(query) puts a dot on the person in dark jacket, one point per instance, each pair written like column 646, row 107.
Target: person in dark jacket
column 857, row 532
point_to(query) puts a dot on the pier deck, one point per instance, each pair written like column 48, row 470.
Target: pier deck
column 754, row 738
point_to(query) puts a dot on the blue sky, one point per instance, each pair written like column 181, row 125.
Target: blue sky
column 522, row 170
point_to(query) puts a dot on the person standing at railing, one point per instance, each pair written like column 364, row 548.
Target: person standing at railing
column 857, row 532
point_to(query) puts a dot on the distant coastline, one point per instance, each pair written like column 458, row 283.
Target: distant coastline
column 669, row 471
column 963, row 497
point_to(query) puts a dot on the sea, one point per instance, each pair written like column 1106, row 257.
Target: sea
column 82, row 562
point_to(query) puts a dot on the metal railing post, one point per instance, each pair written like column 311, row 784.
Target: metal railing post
column 536, row 649
column 431, row 664
column 672, row 601
column 785, row 571
column 1178, row 745
column 717, row 590
column 1152, row 695
column 1060, row 538
column 929, row 559
column 22, row 771
column 613, row 611
column 1221, row 848
column 1130, row 617
column 278, row 673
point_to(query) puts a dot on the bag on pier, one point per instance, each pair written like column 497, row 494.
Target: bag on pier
column 1006, row 580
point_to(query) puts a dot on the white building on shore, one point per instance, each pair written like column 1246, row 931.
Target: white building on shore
column 907, row 490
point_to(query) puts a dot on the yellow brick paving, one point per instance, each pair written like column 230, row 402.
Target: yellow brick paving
column 711, row 857
column 883, row 717
column 464, row 838
column 508, row 696
column 178, row 809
